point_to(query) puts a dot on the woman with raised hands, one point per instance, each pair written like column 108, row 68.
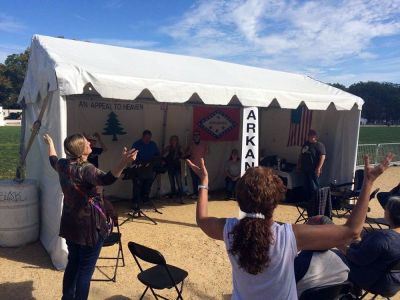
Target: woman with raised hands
column 260, row 250
column 83, row 220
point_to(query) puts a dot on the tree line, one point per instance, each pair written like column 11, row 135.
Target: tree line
column 382, row 99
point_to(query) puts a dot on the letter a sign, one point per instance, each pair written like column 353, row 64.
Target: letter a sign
column 249, row 139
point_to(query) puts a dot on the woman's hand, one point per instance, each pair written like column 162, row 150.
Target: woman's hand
column 48, row 140
column 372, row 173
column 200, row 171
column 128, row 156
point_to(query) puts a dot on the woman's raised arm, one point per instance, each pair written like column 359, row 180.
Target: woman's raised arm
column 213, row 227
column 49, row 141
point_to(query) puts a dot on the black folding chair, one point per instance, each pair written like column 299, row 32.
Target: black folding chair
column 394, row 268
column 159, row 277
column 344, row 194
column 329, row 292
column 302, row 210
column 349, row 207
column 380, row 222
column 320, row 204
column 113, row 239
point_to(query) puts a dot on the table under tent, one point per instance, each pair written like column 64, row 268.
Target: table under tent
column 119, row 92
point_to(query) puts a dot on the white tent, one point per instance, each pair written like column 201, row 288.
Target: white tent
column 85, row 81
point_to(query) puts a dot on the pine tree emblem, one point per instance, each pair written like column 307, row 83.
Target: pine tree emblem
column 113, row 127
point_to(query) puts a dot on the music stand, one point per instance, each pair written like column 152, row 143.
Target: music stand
column 138, row 212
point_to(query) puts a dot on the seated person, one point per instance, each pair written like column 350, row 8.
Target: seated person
column 173, row 154
column 232, row 174
column 383, row 197
column 319, row 268
column 370, row 259
column 148, row 154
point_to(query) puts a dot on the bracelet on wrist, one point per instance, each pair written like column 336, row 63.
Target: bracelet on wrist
column 202, row 186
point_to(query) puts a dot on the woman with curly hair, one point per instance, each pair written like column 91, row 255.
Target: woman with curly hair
column 260, row 250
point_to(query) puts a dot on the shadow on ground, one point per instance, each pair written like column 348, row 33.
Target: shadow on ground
column 33, row 255
column 17, row 290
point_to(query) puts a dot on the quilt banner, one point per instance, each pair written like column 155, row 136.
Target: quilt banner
column 217, row 124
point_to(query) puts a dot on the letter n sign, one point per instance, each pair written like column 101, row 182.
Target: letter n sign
column 249, row 139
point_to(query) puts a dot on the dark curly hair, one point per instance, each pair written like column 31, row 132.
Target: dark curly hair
column 258, row 191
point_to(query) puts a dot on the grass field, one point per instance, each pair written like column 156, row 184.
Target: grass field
column 10, row 137
column 376, row 135
column 9, row 149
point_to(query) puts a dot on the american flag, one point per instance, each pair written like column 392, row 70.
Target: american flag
column 300, row 124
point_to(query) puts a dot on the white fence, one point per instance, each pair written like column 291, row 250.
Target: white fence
column 377, row 152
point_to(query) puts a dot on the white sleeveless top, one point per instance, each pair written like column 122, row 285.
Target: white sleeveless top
column 277, row 281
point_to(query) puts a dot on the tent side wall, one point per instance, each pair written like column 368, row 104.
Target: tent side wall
column 38, row 168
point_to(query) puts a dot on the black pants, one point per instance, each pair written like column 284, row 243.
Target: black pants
column 230, row 186
column 195, row 182
column 174, row 174
column 311, row 184
column 79, row 270
column 141, row 190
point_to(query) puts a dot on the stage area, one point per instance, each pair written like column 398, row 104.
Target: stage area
column 27, row 272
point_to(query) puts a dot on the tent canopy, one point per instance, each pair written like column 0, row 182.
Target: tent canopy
column 124, row 73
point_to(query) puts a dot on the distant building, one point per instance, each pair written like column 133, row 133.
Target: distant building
column 363, row 121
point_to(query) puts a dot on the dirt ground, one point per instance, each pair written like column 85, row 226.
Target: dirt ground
column 27, row 273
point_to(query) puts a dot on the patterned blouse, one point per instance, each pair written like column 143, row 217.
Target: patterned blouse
column 78, row 182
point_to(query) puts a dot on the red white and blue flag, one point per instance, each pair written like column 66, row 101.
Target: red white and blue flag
column 300, row 124
column 216, row 124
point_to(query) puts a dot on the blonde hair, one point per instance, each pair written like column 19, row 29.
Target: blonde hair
column 74, row 146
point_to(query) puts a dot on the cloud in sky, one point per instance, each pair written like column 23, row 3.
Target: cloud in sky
column 141, row 44
column 276, row 33
column 9, row 24
column 7, row 49
column 114, row 4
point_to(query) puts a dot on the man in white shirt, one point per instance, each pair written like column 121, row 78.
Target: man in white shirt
column 319, row 268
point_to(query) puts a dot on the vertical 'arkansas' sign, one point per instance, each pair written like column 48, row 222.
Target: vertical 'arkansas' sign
column 249, row 139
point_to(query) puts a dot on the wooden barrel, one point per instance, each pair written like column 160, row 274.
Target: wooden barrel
column 19, row 213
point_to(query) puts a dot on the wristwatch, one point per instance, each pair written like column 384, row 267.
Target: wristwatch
column 201, row 186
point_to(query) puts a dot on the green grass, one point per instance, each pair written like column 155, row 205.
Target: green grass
column 10, row 138
column 9, row 150
column 377, row 135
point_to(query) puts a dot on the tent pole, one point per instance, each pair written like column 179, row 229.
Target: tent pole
column 19, row 174
column 164, row 107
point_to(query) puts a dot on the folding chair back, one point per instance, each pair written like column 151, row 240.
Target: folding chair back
column 146, row 254
column 329, row 292
column 321, row 203
column 358, row 179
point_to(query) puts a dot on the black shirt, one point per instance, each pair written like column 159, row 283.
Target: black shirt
column 370, row 259
column 93, row 157
column 310, row 155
